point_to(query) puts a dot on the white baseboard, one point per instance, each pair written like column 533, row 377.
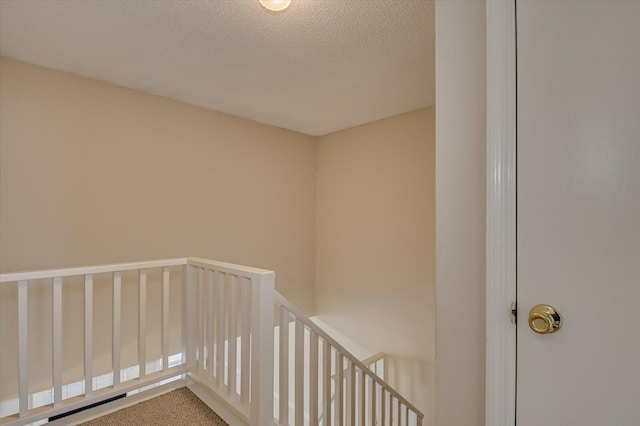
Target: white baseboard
column 119, row 404
column 220, row 407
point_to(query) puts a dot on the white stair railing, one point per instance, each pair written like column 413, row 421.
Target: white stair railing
column 377, row 364
column 57, row 279
column 333, row 387
column 230, row 340
column 227, row 350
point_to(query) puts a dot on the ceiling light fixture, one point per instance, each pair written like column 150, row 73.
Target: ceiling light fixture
column 275, row 5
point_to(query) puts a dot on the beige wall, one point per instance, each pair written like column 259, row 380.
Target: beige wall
column 460, row 217
column 375, row 233
column 94, row 173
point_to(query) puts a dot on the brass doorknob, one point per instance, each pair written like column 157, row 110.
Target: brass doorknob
column 544, row 319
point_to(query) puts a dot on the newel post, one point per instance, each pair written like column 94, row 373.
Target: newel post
column 262, row 335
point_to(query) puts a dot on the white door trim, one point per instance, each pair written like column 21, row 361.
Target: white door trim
column 500, row 402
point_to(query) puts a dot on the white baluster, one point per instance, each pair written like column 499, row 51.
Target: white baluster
column 383, row 407
column 57, row 341
column 245, row 372
column 299, row 373
column 350, row 393
column 284, row 367
column 363, row 398
column 201, row 319
column 142, row 323
column 220, row 325
column 117, row 327
column 165, row 318
column 23, row 354
column 391, row 410
column 210, row 325
column 88, row 334
column 326, row 372
column 313, row 377
column 190, row 317
column 373, row 402
column 338, row 386
column 233, row 334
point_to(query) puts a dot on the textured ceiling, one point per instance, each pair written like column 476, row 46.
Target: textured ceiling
column 318, row 67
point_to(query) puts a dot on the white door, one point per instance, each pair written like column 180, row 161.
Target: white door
column 578, row 211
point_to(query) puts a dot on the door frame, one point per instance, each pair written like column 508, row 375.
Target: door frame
column 500, row 373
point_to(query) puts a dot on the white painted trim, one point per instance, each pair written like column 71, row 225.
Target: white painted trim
column 225, row 409
column 74, row 389
column 111, row 407
column 34, row 415
column 84, row 270
column 500, row 402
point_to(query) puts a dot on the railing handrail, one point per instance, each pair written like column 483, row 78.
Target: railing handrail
column 130, row 266
column 229, row 268
column 85, row 270
column 374, row 358
column 282, row 301
column 367, row 361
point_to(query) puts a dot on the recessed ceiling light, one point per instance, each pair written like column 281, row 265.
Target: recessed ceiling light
column 275, row 5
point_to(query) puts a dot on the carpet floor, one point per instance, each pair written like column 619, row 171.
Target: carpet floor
column 176, row 408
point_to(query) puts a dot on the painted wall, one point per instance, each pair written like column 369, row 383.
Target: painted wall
column 146, row 177
column 460, row 217
column 375, row 232
column 92, row 173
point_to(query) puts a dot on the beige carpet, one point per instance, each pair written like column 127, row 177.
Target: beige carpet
column 179, row 407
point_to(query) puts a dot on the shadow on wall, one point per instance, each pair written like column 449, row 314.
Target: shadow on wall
column 411, row 377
